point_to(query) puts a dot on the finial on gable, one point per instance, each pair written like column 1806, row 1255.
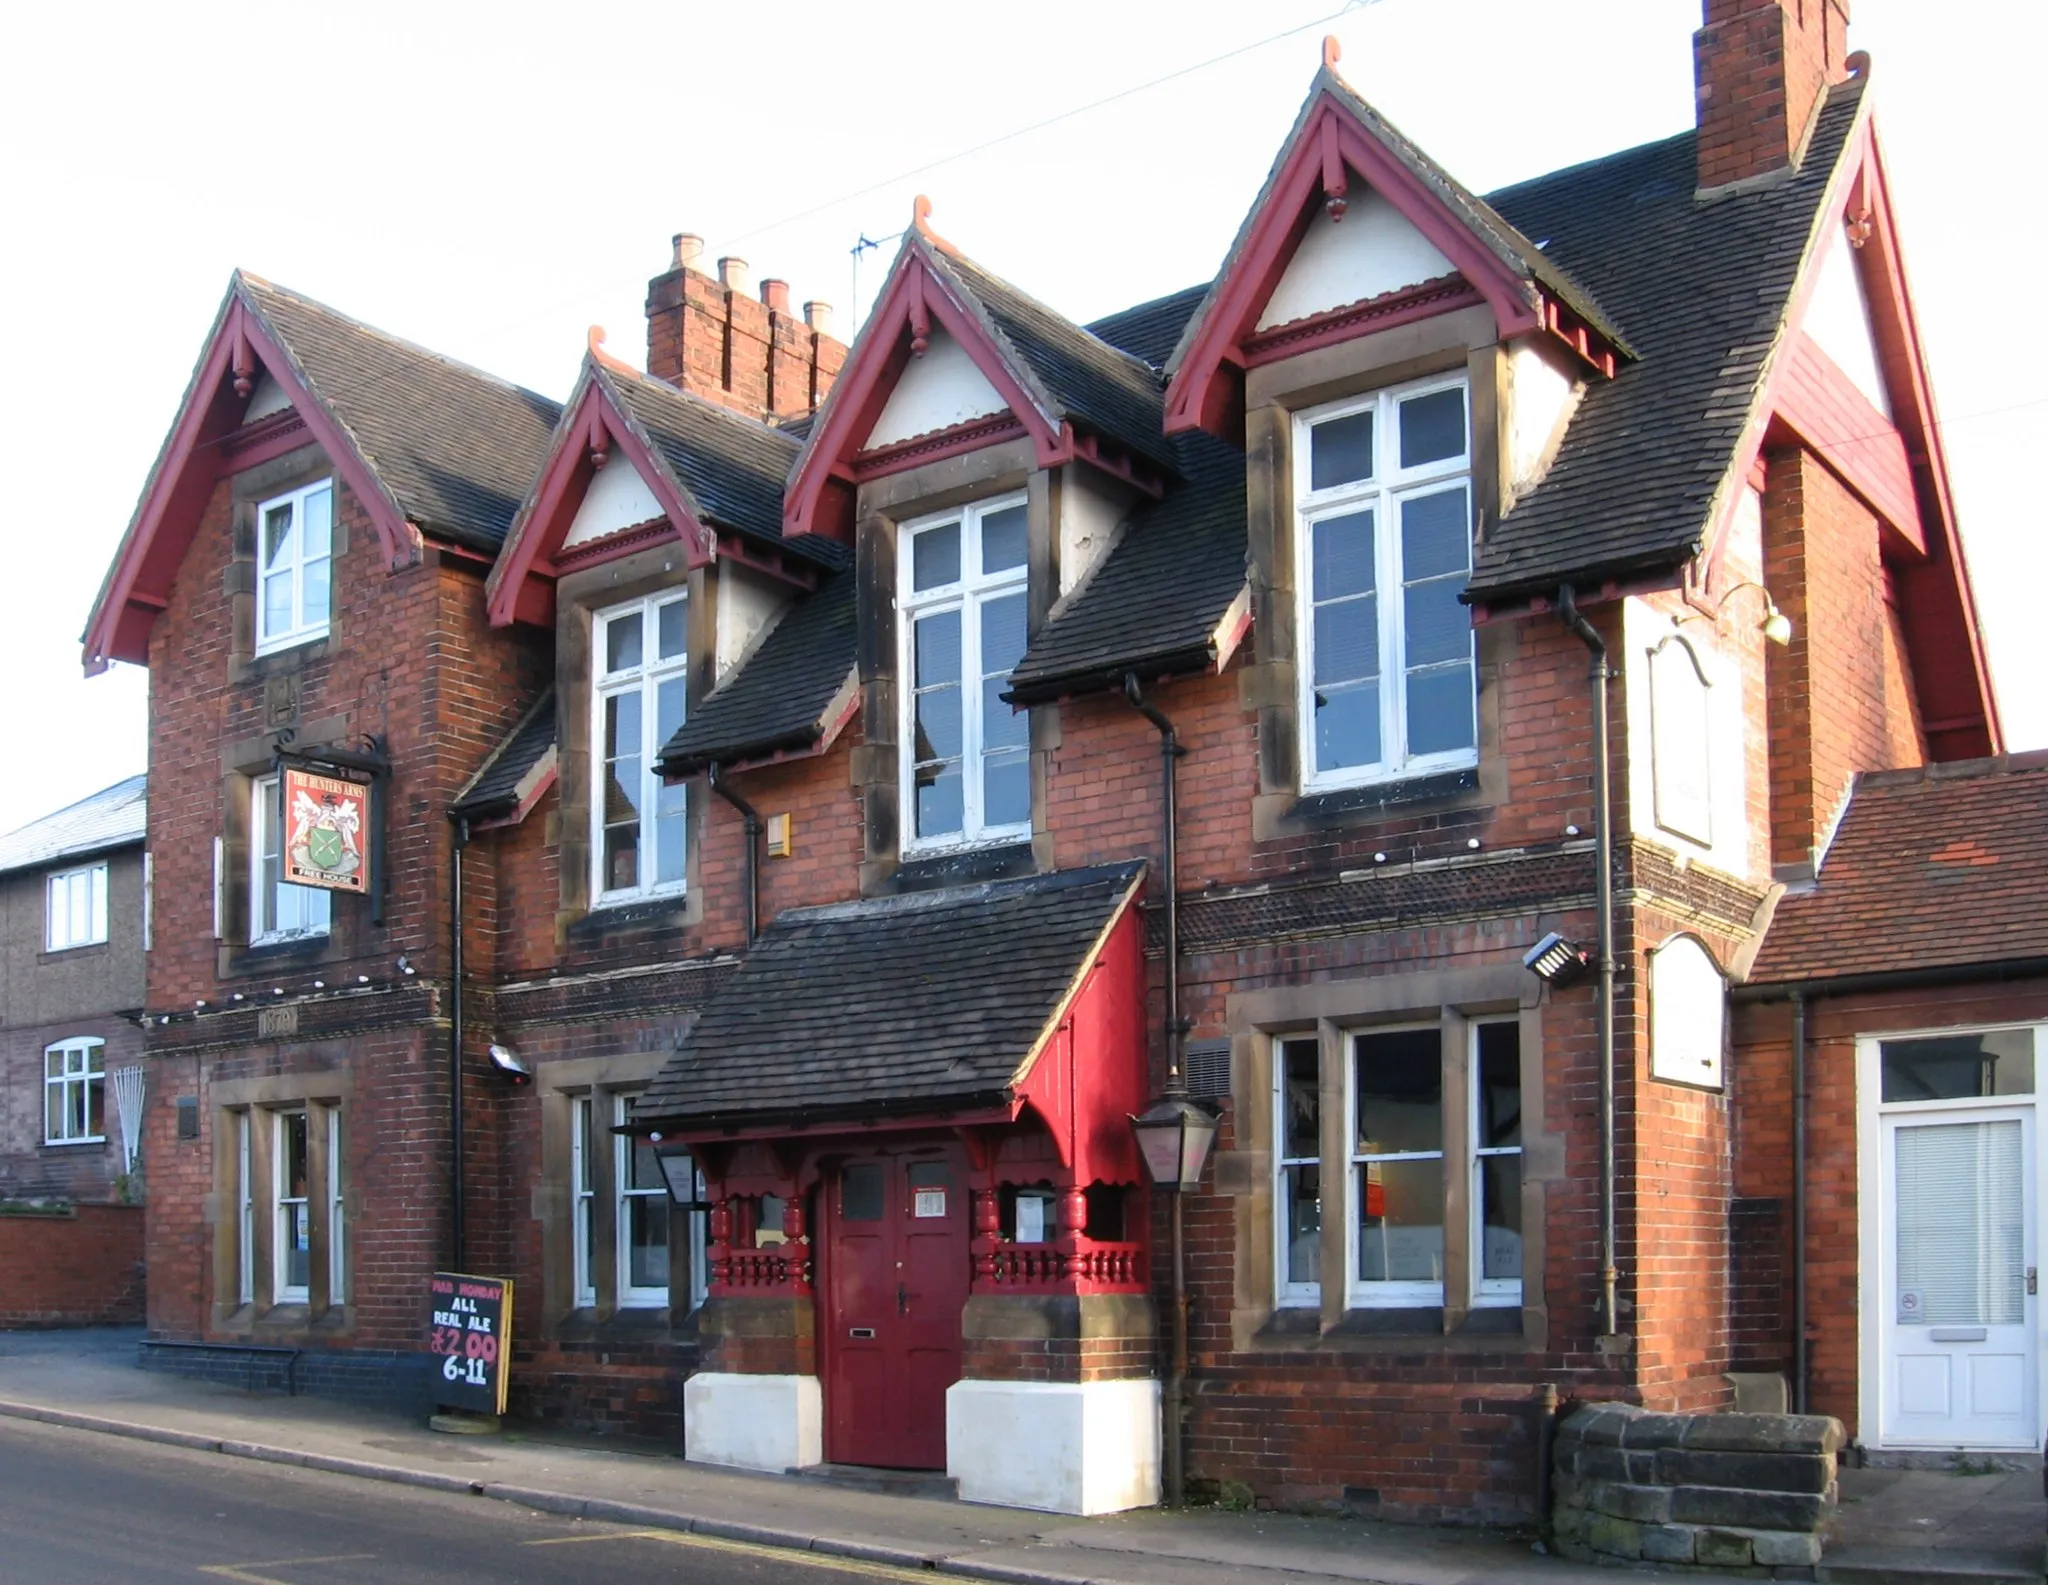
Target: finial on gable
column 1333, row 51
column 921, row 215
column 595, row 344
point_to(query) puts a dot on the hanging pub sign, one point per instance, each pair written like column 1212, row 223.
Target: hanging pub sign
column 327, row 824
column 471, row 1340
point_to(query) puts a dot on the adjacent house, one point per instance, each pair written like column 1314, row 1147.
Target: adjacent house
column 731, row 850
column 74, row 925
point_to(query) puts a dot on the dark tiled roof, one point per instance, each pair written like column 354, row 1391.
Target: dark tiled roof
column 732, row 467
column 1082, row 377
column 1703, row 288
column 890, row 1005
column 114, row 817
column 1156, row 600
column 781, row 696
column 1496, row 233
column 1929, row 868
column 1151, row 330
column 501, row 781
column 457, row 448
column 1154, row 603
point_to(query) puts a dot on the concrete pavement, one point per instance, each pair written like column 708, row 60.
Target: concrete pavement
column 89, row 1381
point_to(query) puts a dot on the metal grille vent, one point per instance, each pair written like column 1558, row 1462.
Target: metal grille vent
column 1208, row 1069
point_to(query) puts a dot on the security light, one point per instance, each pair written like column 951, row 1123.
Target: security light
column 508, row 1061
column 1557, row 961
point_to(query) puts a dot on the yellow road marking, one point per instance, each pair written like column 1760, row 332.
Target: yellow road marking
column 708, row 1543
column 240, row 1571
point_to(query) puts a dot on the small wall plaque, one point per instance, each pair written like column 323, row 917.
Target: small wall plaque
column 277, row 1023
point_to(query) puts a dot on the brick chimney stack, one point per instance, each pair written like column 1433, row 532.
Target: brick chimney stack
column 1762, row 67
column 712, row 337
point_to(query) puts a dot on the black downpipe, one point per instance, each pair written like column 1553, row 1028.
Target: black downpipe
column 455, row 974
column 1799, row 1202
column 1603, row 836
column 1174, row 1396
column 752, row 820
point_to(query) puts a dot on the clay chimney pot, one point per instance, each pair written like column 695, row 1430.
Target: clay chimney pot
column 689, row 249
column 732, row 273
column 818, row 316
column 775, row 294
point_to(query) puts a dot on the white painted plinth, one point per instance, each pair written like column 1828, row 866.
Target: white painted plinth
column 775, row 1423
column 1063, row 1447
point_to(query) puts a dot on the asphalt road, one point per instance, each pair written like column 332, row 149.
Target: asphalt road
column 82, row 1508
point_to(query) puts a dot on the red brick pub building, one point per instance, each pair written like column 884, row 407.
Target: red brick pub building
column 768, row 827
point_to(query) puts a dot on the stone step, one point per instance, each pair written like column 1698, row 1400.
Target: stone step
column 1906, row 1565
column 894, row 1482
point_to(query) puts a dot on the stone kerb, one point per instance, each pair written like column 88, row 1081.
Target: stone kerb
column 1750, row 1494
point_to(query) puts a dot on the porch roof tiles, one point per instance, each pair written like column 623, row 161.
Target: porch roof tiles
column 896, row 1005
column 1944, row 866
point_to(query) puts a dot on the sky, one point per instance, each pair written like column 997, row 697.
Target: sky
column 490, row 180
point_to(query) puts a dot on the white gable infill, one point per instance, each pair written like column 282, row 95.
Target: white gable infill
column 936, row 390
column 1372, row 250
column 1838, row 320
column 268, row 397
column 618, row 498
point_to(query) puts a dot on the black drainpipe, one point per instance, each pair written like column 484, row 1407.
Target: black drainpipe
column 1603, row 836
column 752, row 820
column 1799, row 1202
column 1170, row 753
column 455, row 972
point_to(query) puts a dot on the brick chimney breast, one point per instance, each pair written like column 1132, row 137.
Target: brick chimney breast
column 1762, row 68
column 712, row 337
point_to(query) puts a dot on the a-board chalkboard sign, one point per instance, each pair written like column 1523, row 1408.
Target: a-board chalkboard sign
column 471, row 1340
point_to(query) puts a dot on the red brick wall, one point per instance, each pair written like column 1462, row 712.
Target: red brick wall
column 411, row 659
column 1761, row 66
column 1762, row 1096
column 1840, row 695
column 719, row 343
column 83, row 1268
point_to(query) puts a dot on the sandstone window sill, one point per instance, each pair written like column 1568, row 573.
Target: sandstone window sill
column 1494, row 1330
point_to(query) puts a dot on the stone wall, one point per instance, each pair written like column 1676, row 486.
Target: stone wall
column 1731, row 1493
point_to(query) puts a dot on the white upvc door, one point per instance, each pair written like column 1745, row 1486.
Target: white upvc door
column 1957, row 1248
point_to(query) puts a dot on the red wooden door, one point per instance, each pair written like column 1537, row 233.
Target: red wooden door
column 897, row 1267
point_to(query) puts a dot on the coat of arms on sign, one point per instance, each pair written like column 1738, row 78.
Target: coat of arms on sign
column 325, row 824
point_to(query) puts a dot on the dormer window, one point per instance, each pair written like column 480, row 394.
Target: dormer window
column 966, row 761
column 294, row 547
column 639, row 674
column 1383, row 500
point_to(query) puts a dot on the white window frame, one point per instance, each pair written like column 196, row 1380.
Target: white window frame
column 1286, row 1294
column 1360, row 1294
column 1487, row 1292
column 631, row 1297
column 83, row 1064
column 278, row 910
column 337, row 1265
column 646, row 680
column 302, row 630
column 1389, row 485
column 282, row 1205
column 245, row 1208
column 75, row 907
column 583, row 1200
column 968, row 595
